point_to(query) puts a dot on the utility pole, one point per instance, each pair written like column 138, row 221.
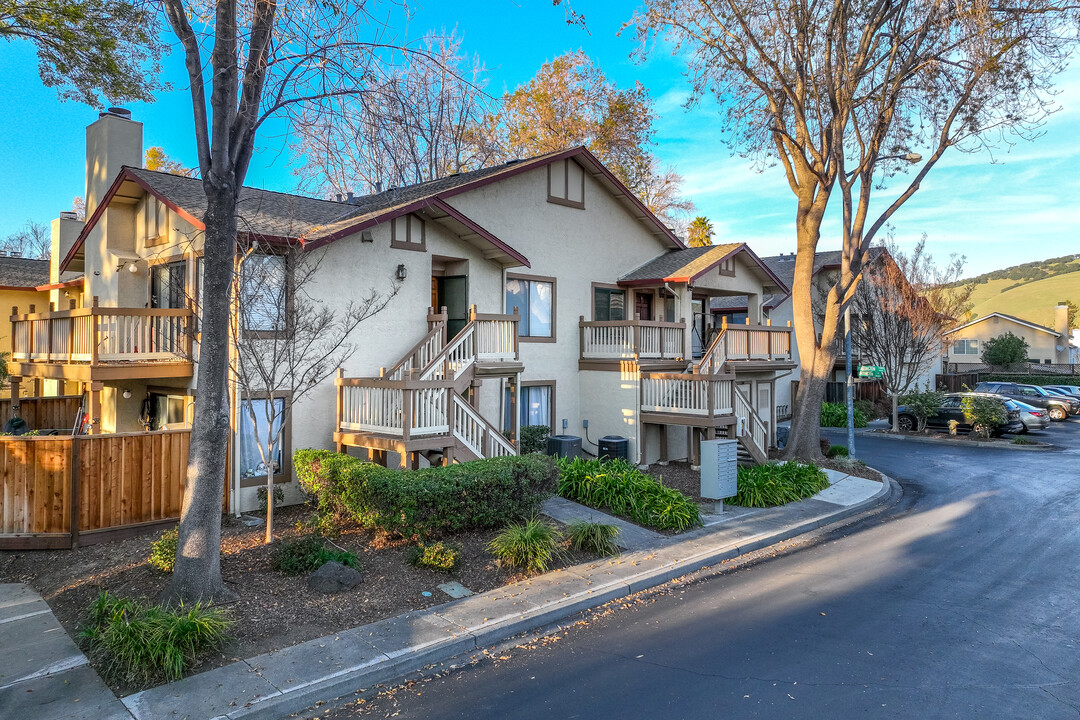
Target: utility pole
column 850, row 384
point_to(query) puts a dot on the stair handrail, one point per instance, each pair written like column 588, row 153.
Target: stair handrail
column 493, row 436
column 433, row 342
column 712, row 361
column 759, row 434
column 439, row 361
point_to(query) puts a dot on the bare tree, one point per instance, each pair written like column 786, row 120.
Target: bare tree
column 901, row 311
column 33, row 241
column 288, row 340
column 842, row 94
column 419, row 121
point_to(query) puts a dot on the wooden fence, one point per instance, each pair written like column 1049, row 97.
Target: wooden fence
column 61, row 491
column 43, row 413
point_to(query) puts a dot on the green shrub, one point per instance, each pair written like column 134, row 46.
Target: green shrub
column 837, row 451
column 624, row 490
column 279, row 498
column 922, row 405
column 305, row 554
column 835, row 415
column 431, row 501
column 1021, row 440
column 163, row 550
column 1005, row 349
column 140, row 644
column 868, row 409
column 983, row 414
column 437, row 555
column 775, row 484
column 528, row 546
column 534, row 438
column 595, row 537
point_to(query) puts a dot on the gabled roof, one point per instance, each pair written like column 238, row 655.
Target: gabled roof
column 783, row 265
column 313, row 222
column 1010, row 318
column 686, row 266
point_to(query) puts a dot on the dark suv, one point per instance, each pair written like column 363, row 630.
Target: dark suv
column 1059, row 407
column 951, row 410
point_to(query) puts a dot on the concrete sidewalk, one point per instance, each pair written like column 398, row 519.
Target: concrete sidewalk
column 294, row 678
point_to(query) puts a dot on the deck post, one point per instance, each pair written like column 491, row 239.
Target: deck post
column 581, row 337
column 339, row 391
column 663, row 443
column 30, row 336
column 15, row 381
column 515, row 420
column 95, row 407
column 637, row 334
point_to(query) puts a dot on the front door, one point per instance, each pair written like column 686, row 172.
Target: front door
column 698, row 335
column 451, row 292
column 643, row 306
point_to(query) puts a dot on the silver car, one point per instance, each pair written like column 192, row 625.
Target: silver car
column 1033, row 418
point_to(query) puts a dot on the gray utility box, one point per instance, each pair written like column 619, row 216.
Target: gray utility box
column 567, row 446
column 719, row 469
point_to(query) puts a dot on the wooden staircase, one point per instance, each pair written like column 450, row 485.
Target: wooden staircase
column 419, row 408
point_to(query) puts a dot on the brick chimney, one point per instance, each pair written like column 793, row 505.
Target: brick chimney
column 114, row 140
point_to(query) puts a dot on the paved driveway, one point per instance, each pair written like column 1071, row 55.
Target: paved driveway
column 959, row 601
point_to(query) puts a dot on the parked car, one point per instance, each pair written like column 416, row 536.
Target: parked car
column 1069, row 390
column 951, row 409
column 1058, row 406
column 1033, row 418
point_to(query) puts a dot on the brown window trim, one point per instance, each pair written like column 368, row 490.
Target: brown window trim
column 566, row 201
column 727, row 272
column 554, row 395
column 285, row 474
column 554, row 307
column 407, row 243
column 289, row 292
column 605, row 286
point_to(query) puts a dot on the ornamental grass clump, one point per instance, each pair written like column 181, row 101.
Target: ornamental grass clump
column 621, row 488
column 775, row 484
column 141, row 644
column 594, row 537
column 530, row 546
column 163, row 551
column 437, row 555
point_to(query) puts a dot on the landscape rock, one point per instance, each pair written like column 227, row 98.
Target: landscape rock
column 334, row 577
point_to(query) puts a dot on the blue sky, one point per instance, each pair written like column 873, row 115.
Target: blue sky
column 1023, row 206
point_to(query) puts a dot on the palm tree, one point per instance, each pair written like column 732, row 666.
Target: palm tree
column 700, row 231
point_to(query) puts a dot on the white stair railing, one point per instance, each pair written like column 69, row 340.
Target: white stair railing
column 758, row 433
column 477, row 434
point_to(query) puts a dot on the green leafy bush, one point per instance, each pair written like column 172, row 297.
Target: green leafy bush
column 624, row 490
column 868, row 409
column 528, row 546
column 594, row 537
column 163, row 551
column 431, row 501
column 983, row 414
column 305, row 554
column 835, row 415
column 922, row 405
column 534, row 438
column 1021, row 440
column 837, row 451
column 437, row 555
column 1005, row 349
column 775, row 484
column 140, row 644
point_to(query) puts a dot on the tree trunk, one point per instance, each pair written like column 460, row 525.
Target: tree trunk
column 197, row 573
column 269, row 501
column 896, row 412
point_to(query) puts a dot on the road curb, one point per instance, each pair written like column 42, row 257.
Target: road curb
column 930, row 440
column 355, row 661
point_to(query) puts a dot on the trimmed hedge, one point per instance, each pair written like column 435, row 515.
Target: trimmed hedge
column 431, row 501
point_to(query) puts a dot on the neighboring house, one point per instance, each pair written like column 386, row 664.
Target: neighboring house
column 1045, row 345
column 826, row 268
column 612, row 335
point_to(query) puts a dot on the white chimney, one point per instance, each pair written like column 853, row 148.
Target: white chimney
column 111, row 142
column 65, row 230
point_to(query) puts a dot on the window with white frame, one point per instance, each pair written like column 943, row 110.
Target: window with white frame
column 965, row 346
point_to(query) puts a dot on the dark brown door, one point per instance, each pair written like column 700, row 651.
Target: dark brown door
column 643, row 306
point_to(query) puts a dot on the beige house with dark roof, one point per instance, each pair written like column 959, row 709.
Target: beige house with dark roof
column 612, row 326
column 1045, row 345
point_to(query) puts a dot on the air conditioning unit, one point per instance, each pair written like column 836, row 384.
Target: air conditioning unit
column 568, row 446
column 610, row 447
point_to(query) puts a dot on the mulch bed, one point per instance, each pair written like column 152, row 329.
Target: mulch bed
column 961, row 438
column 678, row 475
column 273, row 610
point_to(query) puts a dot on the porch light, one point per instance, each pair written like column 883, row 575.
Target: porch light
column 402, row 272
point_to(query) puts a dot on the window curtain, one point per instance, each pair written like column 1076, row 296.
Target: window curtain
column 251, row 463
column 536, row 405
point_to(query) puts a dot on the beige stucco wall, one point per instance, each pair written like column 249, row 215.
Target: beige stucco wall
column 1042, row 346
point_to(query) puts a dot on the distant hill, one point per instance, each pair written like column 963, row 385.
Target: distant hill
column 1028, row 291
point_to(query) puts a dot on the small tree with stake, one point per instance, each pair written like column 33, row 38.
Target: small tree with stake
column 287, row 341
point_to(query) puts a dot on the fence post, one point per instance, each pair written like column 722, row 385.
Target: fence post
column 73, row 458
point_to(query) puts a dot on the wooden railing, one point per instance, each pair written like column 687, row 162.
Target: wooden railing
column 477, row 434
column 687, row 394
column 485, row 338
column 625, row 339
column 401, row 408
column 746, row 342
column 756, row 431
column 96, row 335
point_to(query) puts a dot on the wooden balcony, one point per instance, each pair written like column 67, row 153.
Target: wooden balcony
column 102, row 343
column 687, row 399
column 605, row 343
column 748, row 347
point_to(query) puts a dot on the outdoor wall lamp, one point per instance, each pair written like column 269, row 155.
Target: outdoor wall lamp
column 402, row 272
column 127, row 394
column 131, row 265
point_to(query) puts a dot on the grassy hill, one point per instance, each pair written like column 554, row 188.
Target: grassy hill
column 1028, row 291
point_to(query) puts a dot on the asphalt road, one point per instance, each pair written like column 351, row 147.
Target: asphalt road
column 959, row 601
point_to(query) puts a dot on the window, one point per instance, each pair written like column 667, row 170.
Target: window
column 168, row 285
column 155, row 222
column 669, row 308
column 162, row 411
column 535, row 300
column 566, row 184
column 609, row 304
column 251, row 461
column 408, row 233
column 537, row 405
column 264, row 292
column 965, row 347
column 727, row 267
